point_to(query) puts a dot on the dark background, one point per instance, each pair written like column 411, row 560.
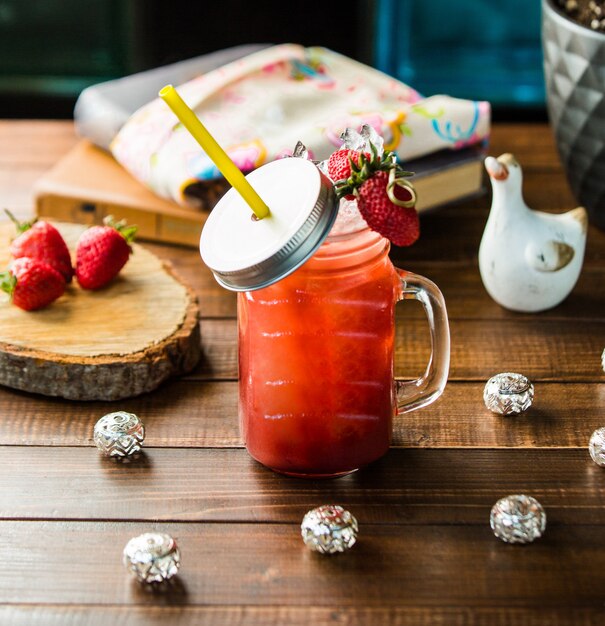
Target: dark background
column 51, row 49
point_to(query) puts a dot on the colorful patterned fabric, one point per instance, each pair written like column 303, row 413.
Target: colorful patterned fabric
column 257, row 108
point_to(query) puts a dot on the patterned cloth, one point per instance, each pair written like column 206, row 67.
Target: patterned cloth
column 257, row 108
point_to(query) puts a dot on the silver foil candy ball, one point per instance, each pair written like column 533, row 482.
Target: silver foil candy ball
column 152, row 557
column 596, row 446
column 329, row 529
column 508, row 393
column 518, row 519
column 119, row 434
column 603, row 360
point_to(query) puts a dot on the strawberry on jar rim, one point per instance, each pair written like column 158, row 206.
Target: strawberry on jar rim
column 42, row 241
column 385, row 197
column 102, row 251
column 340, row 166
column 32, row 284
column 399, row 224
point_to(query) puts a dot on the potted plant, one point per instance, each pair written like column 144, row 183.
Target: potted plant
column 573, row 41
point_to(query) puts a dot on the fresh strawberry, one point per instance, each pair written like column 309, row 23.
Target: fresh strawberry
column 384, row 197
column 42, row 241
column 101, row 252
column 32, row 284
column 399, row 224
column 339, row 166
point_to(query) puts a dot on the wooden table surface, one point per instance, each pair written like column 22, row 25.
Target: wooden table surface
column 426, row 553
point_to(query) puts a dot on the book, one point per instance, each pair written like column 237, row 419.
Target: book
column 447, row 176
column 89, row 184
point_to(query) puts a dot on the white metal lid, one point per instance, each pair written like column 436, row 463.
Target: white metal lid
column 244, row 253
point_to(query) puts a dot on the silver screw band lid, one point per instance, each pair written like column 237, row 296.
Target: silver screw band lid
column 246, row 254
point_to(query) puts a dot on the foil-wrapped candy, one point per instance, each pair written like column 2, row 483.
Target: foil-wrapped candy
column 508, row 393
column 518, row 519
column 119, row 434
column 329, row 529
column 152, row 557
column 596, row 446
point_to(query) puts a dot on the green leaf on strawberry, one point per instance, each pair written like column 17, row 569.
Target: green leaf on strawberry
column 21, row 227
column 363, row 166
column 8, row 282
column 40, row 240
column 127, row 231
column 102, row 251
column 386, row 198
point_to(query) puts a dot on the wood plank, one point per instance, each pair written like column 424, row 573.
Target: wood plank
column 406, row 487
column 214, row 300
column 542, row 349
column 191, row 414
column 219, row 351
column 28, row 148
column 532, row 144
column 253, row 564
column 401, row 572
column 454, row 232
column 100, row 615
column 465, row 296
column 39, row 142
column 16, row 190
column 562, row 416
column 182, row 414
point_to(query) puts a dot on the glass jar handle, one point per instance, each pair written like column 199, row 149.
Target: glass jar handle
column 415, row 394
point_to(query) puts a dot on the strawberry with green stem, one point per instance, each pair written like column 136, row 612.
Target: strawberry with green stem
column 102, row 251
column 31, row 283
column 385, row 197
column 42, row 241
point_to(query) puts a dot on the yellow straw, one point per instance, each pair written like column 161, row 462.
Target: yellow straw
column 221, row 159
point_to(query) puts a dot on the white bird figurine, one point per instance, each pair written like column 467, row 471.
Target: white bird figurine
column 529, row 260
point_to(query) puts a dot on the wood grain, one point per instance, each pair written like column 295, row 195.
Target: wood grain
column 533, row 145
column 519, row 344
column 99, row 615
column 405, row 487
column 460, row 283
column 144, row 305
column 254, row 564
column 426, row 554
column 29, row 142
column 543, row 192
column 191, row 414
column 27, row 150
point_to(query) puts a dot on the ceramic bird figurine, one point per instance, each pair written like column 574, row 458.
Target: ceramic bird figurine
column 529, row 260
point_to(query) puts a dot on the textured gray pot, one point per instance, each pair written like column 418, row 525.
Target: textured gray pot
column 574, row 72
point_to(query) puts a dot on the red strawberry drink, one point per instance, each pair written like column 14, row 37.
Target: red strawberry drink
column 316, row 360
column 317, row 394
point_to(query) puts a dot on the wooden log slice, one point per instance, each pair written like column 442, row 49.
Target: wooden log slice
column 108, row 344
